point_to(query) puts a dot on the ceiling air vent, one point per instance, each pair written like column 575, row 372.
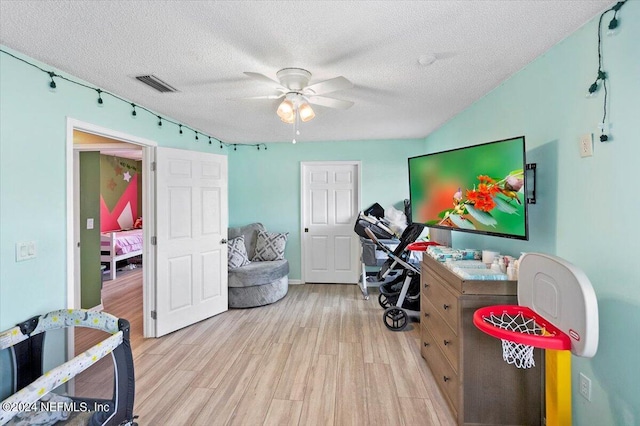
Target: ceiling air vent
column 156, row 83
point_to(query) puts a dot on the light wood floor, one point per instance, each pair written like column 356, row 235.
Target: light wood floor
column 320, row 356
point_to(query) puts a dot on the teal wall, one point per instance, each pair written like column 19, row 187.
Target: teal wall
column 264, row 186
column 587, row 210
column 33, row 183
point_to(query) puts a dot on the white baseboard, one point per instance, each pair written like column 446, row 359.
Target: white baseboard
column 98, row 308
column 295, row 282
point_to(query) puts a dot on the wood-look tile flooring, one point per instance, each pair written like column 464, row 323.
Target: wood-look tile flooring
column 320, row 356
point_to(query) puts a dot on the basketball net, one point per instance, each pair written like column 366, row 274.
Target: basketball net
column 518, row 354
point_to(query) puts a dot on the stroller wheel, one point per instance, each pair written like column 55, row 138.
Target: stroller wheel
column 384, row 301
column 395, row 318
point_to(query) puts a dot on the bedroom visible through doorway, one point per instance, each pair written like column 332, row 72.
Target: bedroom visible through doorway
column 90, row 139
column 110, row 189
column 109, row 211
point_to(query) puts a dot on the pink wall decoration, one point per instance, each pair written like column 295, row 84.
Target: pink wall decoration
column 124, row 213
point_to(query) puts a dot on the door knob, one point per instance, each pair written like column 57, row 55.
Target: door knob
column 223, row 241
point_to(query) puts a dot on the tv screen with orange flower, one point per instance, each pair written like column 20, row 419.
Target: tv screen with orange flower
column 478, row 189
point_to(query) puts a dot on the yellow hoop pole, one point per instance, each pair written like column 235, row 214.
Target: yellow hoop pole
column 558, row 387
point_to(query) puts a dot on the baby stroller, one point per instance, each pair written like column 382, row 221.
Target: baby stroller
column 372, row 218
column 401, row 296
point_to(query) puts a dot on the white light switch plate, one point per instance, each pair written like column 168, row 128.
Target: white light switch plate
column 25, row 250
column 586, row 145
column 90, row 223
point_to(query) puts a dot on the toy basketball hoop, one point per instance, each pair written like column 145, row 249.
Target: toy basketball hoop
column 557, row 311
column 421, row 245
column 520, row 330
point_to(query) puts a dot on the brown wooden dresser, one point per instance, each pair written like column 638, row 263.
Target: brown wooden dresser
column 479, row 386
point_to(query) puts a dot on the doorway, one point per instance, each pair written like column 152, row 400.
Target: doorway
column 330, row 202
column 122, row 142
column 196, row 277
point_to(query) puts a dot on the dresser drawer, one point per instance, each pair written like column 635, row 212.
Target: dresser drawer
column 445, row 302
column 443, row 374
column 444, row 336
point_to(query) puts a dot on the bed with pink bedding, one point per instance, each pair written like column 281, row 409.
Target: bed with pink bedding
column 120, row 245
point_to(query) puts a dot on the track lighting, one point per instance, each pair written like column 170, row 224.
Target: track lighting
column 614, row 23
column 134, row 107
column 592, row 90
column 613, row 27
column 594, row 86
column 602, row 76
column 52, row 84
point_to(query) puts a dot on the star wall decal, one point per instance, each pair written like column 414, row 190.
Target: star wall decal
column 112, row 184
column 127, row 176
column 117, row 169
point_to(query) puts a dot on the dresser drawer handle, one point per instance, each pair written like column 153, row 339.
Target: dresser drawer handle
column 425, row 344
column 447, row 342
column 445, row 306
column 426, row 285
column 446, row 379
column 426, row 314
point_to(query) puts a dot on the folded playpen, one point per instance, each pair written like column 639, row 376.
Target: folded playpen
column 33, row 402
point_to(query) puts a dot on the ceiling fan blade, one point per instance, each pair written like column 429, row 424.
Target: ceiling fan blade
column 328, row 86
column 257, row 97
column 263, row 78
column 329, row 102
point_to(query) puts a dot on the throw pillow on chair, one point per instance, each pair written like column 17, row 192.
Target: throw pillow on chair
column 237, row 253
column 270, row 246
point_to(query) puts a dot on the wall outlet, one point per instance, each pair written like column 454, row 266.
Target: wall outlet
column 585, row 387
column 586, row 145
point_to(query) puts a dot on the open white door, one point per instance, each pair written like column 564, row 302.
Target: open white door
column 192, row 220
column 330, row 205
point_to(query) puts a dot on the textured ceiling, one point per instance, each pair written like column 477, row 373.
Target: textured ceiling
column 202, row 48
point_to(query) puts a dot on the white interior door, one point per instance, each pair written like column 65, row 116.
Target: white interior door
column 330, row 205
column 192, row 220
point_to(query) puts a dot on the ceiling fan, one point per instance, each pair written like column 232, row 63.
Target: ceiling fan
column 293, row 86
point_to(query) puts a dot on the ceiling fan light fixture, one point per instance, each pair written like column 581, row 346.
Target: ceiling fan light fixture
column 306, row 112
column 290, row 119
column 286, row 110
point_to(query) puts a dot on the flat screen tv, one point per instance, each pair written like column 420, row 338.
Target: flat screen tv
column 478, row 189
